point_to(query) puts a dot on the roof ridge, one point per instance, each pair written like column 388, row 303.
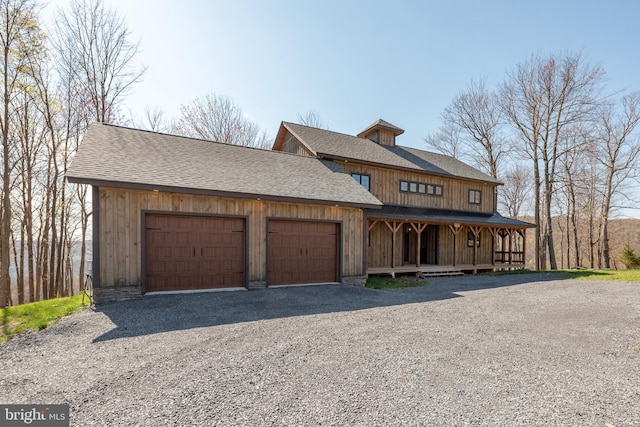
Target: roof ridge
column 174, row 135
column 325, row 130
column 209, row 141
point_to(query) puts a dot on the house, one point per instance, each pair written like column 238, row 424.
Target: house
column 177, row 214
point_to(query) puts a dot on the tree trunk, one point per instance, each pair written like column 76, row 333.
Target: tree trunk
column 5, row 279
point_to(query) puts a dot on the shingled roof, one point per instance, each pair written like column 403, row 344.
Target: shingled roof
column 334, row 145
column 447, row 216
column 382, row 124
column 123, row 157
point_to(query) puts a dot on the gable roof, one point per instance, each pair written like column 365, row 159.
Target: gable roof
column 124, row 157
column 340, row 146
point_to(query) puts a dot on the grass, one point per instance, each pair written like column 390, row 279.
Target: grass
column 36, row 315
column 394, row 283
column 610, row 275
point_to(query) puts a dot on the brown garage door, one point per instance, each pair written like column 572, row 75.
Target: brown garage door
column 193, row 252
column 302, row 252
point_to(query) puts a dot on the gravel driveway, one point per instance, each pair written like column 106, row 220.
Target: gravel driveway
column 508, row 350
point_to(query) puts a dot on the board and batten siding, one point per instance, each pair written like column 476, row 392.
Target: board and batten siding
column 385, row 185
column 120, row 235
column 292, row 145
column 380, row 243
column 464, row 253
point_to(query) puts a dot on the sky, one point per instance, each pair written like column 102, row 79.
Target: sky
column 357, row 61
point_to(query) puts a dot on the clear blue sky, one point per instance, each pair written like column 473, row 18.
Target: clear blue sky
column 357, row 61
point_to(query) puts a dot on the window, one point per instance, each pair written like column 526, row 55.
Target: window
column 362, row 179
column 471, row 238
column 418, row 187
column 474, row 197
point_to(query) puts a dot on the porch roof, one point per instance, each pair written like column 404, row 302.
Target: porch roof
column 446, row 216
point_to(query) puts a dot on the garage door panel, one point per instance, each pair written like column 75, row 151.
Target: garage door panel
column 302, row 252
column 193, row 252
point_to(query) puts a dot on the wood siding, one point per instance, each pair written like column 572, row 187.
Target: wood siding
column 121, row 237
column 385, row 185
column 292, row 145
column 379, row 247
column 387, row 138
column 464, row 253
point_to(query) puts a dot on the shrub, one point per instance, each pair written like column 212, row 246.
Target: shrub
column 629, row 258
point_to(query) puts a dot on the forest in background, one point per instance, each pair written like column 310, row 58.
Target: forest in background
column 565, row 146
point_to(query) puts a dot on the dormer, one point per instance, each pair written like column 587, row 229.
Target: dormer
column 381, row 132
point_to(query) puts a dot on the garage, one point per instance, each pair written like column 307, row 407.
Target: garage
column 302, row 252
column 188, row 252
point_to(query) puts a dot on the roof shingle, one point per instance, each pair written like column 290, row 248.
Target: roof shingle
column 447, row 216
column 118, row 155
column 338, row 145
column 384, row 124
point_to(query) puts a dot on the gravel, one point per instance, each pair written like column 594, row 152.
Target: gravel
column 503, row 350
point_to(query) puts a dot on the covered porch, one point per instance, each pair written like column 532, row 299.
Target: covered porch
column 436, row 242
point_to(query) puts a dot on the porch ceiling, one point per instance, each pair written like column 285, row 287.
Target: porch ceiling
column 445, row 216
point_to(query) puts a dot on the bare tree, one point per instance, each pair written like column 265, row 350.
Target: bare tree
column 96, row 43
column 477, row 114
column 573, row 178
column 542, row 99
column 515, row 194
column 313, row 119
column 155, row 121
column 447, row 141
column 217, row 118
column 20, row 36
column 619, row 156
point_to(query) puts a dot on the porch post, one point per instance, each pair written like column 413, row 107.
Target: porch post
column 493, row 232
column 503, row 234
column 510, row 246
column 419, row 229
column 455, row 229
column 393, row 228
column 476, row 232
column 523, row 233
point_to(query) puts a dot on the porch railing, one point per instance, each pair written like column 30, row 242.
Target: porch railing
column 507, row 257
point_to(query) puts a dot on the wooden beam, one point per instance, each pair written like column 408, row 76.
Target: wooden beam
column 372, row 224
column 393, row 227
column 510, row 231
column 524, row 247
column 494, row 232
column 476, row 233
column 455, row 229
column 419, row 228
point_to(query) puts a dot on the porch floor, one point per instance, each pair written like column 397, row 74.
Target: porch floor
column 442, row 270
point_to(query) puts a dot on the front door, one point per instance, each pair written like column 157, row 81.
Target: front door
column 428, row 245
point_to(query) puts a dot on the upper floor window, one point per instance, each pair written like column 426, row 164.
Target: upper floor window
column 418, row 187
column 362, row 179
column 475, row 197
